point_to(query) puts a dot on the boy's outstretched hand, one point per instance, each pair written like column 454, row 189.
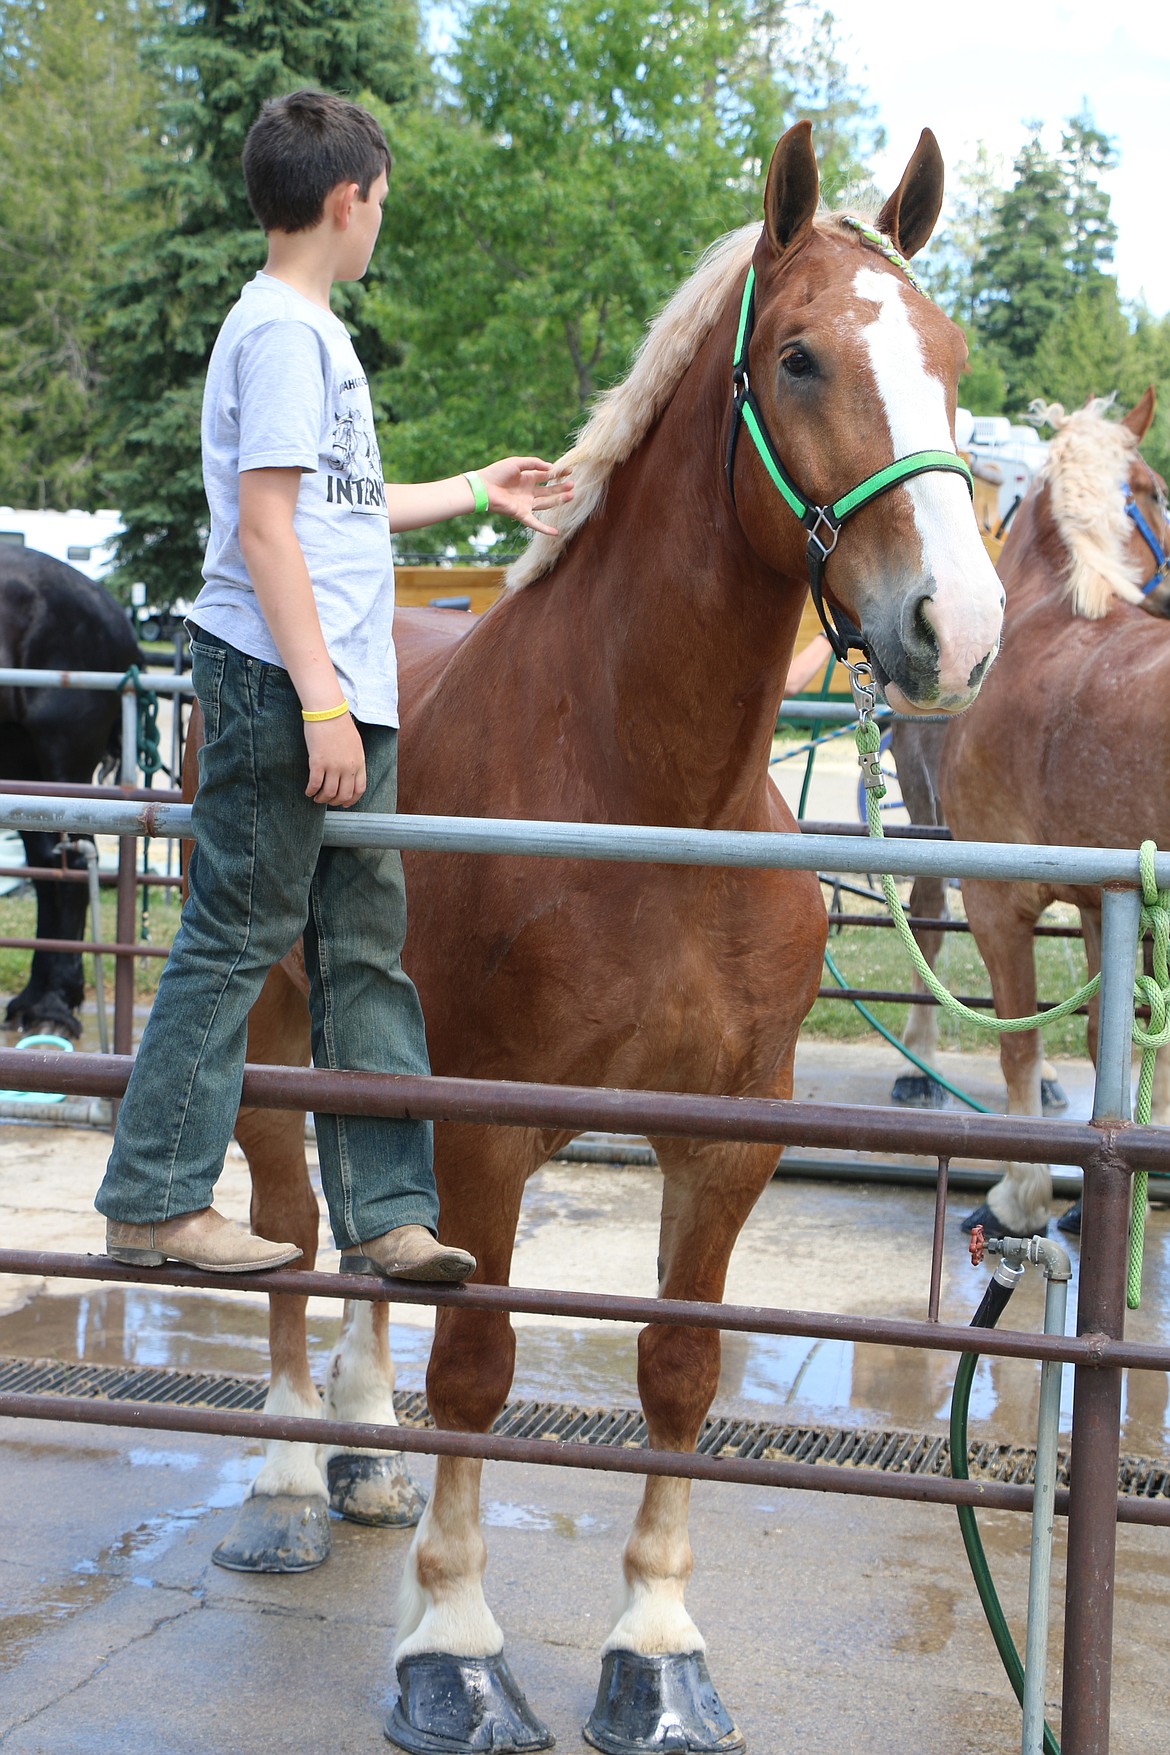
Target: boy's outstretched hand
column 520, row 487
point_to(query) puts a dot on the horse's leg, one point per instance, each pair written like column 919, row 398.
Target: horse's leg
column 918, row 1090
column 56, row 983
column 455, row 1688
column 655, row 1691
column 1070, row 1220
column 283, row 1526
column 917, row 750
column 1002, row 917
column 367, row 1486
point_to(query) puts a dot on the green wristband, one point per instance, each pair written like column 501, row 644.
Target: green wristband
column 475, row 482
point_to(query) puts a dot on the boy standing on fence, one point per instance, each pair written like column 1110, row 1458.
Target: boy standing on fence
column 294, row 668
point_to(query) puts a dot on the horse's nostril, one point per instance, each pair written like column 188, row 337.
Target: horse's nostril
column 921, row 640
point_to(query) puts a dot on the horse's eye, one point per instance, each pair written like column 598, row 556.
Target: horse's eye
column 796, row 362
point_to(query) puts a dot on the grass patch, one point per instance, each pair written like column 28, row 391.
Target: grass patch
column 873, row 957
column 18, row 919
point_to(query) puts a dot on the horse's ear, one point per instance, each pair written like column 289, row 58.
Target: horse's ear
column 792, row 189
column 1140, row 415
column 909, row 216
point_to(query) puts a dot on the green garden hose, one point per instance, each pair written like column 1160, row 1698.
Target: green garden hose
column 986, row 1316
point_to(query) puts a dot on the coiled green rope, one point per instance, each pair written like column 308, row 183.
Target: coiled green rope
column 149, row 744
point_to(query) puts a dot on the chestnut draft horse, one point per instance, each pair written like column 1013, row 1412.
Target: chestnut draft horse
column 1065, row 744
column 632, row 674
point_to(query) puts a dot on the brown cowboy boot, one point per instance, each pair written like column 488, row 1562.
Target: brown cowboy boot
column 408, row 1253
column 203, row 1240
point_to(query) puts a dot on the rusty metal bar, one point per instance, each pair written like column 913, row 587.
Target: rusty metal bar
column 127, row 888
column 894, row 997
column 354, row 1435
column 936, row 1252
column 1096, row 1426
column 107, row 879
column 79, row 789
column 85, row 945
column 507, row 1103
column 1091, row 1350
column 931, row 923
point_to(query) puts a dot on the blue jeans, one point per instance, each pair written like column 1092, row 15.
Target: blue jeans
column 259, row 878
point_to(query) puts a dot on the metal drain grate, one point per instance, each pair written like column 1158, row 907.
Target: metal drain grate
column 909, row 1453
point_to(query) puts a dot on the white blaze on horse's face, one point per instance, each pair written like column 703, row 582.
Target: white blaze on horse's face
column 961, row 600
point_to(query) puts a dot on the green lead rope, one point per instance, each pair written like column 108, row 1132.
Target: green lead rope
column 149, row 744
column 1149, row 990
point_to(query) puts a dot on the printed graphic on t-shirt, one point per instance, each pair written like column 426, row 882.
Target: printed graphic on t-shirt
column 355, row 468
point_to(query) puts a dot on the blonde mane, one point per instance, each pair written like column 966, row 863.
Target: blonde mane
column 1088, row 461
column 624, row 414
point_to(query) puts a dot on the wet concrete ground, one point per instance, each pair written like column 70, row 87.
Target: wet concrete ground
column 830, row 1622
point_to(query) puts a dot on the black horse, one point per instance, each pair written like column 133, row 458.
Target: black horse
column 53, row 618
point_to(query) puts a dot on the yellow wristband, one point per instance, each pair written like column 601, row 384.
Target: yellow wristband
column 329, row 713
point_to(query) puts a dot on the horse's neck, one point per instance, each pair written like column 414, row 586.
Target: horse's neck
column 681, row 637
column 1034, row 563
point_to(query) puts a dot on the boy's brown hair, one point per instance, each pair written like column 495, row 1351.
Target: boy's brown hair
column 301, row 146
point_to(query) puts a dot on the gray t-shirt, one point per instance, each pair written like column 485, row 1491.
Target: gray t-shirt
column 285, row 389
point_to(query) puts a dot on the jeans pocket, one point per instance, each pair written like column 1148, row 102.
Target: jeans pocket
column 207, row 665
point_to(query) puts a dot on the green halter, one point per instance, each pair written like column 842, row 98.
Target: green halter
column 823, row 523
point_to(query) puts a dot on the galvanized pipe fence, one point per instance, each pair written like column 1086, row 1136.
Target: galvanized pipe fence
column 125, row 948
column 1108, row 1151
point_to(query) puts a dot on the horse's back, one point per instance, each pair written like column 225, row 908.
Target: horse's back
column 52, row 616
column 1068, row 740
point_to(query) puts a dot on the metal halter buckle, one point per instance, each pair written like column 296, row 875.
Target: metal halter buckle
column 823, row 517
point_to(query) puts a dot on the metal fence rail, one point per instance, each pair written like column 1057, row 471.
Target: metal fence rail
column 1108, row 1149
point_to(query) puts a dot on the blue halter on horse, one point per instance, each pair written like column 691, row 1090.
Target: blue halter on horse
column 1161, row 559
column 823, row 523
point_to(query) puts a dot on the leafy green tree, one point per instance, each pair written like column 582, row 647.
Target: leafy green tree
column 557, row 191
column 178, row 276
column 73, row 105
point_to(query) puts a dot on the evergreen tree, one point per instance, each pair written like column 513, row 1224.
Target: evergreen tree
column 1085, row 153
column 1148, row 362
column 1049, row 240
column 558, row 191
column 73, row 105
column 1085, row 350
column 1021, row 272
column 178, row 277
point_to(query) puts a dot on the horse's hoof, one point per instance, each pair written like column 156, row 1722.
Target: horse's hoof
column 47, row 1013
column 277, row 1532
column 374, row 1490
column 992, row 1227
column 650, row 1703
column 454, row 1705
column 917, row 1091
column 1070, row 1222
column 1053, row 1096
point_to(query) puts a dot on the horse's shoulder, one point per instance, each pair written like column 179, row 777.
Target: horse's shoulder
column 425, row 641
